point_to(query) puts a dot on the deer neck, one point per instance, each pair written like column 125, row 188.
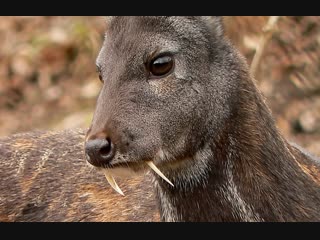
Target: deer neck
column 248, row 173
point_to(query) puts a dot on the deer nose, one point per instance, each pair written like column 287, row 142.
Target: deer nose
column 99, row 151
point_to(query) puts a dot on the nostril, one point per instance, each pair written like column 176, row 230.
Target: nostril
column 100, row 152
column 106, row 148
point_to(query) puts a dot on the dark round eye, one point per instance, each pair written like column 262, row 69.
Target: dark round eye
column 161, row 66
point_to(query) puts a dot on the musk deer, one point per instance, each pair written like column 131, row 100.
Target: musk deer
column 179, row 98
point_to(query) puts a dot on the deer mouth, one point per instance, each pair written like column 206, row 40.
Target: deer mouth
column 129, row 168
column 102, row 153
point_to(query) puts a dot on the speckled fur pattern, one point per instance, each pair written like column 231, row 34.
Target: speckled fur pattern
column 45, row 177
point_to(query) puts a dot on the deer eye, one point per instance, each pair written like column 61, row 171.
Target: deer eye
column 161, row 66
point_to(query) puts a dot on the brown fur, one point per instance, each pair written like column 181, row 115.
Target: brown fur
column 44, row 177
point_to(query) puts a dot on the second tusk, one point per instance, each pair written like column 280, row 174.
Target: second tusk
column 157, row 171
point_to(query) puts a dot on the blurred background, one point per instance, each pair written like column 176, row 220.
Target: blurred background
column 48, row 77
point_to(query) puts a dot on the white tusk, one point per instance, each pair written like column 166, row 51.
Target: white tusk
column 154, row 168
column 113, row 183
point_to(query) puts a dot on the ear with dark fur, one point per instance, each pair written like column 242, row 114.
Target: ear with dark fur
column 215, row 24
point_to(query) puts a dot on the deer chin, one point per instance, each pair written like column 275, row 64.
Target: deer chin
column 128, row 171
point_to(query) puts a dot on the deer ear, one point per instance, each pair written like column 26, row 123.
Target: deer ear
column 215, row 24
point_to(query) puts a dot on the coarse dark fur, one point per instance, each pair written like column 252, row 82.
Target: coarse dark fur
column 205, row 125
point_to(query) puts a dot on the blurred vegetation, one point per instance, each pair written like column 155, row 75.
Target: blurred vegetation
column 289, row 71
column 47, row 71
column 48, row 76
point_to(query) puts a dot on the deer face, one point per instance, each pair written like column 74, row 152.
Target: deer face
column 163, row 85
